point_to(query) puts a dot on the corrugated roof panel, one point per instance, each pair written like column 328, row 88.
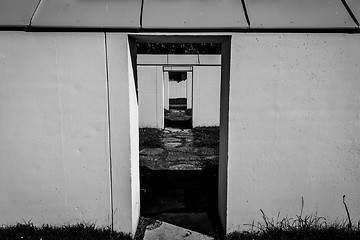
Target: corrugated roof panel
column 193, row 14
column 355, row 8
column 298, row 14
column 16, row 13
column 88, row 13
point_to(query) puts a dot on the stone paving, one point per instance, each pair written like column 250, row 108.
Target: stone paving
column 178, row 153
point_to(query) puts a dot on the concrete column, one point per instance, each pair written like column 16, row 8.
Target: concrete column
column 124, row 134
column 160, row 121
column 151, row 96
column 166, row 90
column 189, row 90
column 206, row 95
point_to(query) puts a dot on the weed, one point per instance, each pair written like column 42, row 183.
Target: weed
column 309, row 227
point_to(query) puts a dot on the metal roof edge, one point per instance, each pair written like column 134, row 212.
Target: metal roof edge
column 28, row 28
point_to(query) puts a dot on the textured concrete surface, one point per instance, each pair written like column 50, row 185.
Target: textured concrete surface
column 165, row 231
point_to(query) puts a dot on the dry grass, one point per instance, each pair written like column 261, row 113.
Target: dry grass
column 27, row 231
column 310, row 227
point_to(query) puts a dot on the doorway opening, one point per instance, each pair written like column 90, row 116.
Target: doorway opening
column 178, row 106
column 183, row 173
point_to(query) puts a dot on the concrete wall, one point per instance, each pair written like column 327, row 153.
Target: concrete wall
column 206, row 95
column 151, row 96
column 294, row 126
column 68, row 128
column 166, row 90
column 189, row 90
column 56, row 164
column 177, row 89
column 124, row 129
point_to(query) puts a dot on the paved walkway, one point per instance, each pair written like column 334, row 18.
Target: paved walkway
column 178, row 153
column 176, row 191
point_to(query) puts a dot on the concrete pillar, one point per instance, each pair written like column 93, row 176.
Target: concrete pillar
column 124, row 134
column 151, row 96
column 206, row 95
column 189, row 90
column 166, row 90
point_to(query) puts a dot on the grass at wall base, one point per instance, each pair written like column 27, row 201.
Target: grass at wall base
column 311, row 227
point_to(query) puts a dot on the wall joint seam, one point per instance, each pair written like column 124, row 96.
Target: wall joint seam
column 109, row 132
column 32, row 16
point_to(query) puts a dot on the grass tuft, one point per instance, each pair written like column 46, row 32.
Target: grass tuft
column 310, row 227
column 81, row 231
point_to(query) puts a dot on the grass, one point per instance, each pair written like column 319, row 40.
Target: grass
column 150, row 138
column 310, row 227
column 27, row 231
column 206, row 137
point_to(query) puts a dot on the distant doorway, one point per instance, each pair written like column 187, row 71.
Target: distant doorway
column 178, row 97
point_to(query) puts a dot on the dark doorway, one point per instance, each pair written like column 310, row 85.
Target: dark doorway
column 179, row 114
column 178, row 186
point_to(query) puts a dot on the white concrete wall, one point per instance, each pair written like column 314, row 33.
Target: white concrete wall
column 124, row 134
column 54, row 130
column 177, row 89
column 151, row 96
column 189, row 90
column 54, row 146
column 294, row 126
column 166, row 90
column 206, row 95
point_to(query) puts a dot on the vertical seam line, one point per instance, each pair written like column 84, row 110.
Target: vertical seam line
column 32, row 16
column 246, row 13
column 109, row 133
column 141, row 13
column 350, row 12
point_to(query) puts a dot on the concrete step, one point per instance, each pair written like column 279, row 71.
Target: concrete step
column 164, row 231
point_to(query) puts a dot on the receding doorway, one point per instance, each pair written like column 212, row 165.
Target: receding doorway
column 178, row 93
column 182, row 184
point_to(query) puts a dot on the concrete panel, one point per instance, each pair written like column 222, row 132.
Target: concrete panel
column 124, row 134
column 206, row 95
column 181, row 69
column 294, row 124
column 189, row 90
column 194, row 14
column 166, row 90
column 298, row 14
column 75, row 13
column 151, row 59
column 17, row 13
column 224, row 132
column 187, row 59
column 151, row 96
column 210, row 59
column 177, row 89
column 53, row 129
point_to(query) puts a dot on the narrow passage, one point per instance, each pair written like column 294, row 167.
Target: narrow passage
column 179, row 178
